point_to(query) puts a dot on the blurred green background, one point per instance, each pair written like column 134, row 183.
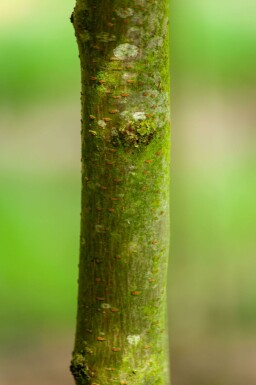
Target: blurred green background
column 212, row 285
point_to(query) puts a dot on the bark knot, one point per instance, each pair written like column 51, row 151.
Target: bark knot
column 80, row 370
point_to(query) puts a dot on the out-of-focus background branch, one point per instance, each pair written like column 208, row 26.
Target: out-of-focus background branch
column 212, row 286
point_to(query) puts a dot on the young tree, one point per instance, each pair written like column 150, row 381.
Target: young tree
column 121, row 335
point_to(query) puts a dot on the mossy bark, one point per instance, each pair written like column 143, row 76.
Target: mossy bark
column 121, row 335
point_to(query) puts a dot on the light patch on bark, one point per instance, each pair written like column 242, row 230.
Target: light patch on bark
column 105, row 37
column 140, row 2
column 126, row 51
column 124, row 113
column 156, row 42
column 126, row 76
column 102, row 124
column 133, row 339
column 124, row 12
column 139, row 115
column 134, row 33
column 85, row 36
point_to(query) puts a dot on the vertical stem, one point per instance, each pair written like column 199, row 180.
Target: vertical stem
column 121, row 335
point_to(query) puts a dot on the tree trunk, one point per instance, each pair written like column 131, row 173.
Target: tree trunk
column 121, row 335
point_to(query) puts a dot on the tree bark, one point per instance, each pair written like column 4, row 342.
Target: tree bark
column 121, row 335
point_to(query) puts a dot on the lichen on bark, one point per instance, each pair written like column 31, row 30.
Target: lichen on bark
column 121, row 335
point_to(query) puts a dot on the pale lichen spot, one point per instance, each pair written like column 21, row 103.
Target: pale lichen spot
column 124, row 12
column 105, row 306
column 99, row 228
column 134, row 33
column 138, row 18
column 139, row 115
column 124, row 113
column 133, row 339
column 85, row 36
column 105, row 37
column 126, row 76
column 126, row 51
column 114, row 132
column 123, row 101
column 101, row 123
column 156, row 42
column 140, row 2
column 132, row 247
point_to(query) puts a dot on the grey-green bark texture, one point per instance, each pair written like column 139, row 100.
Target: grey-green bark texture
column 121, row 335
